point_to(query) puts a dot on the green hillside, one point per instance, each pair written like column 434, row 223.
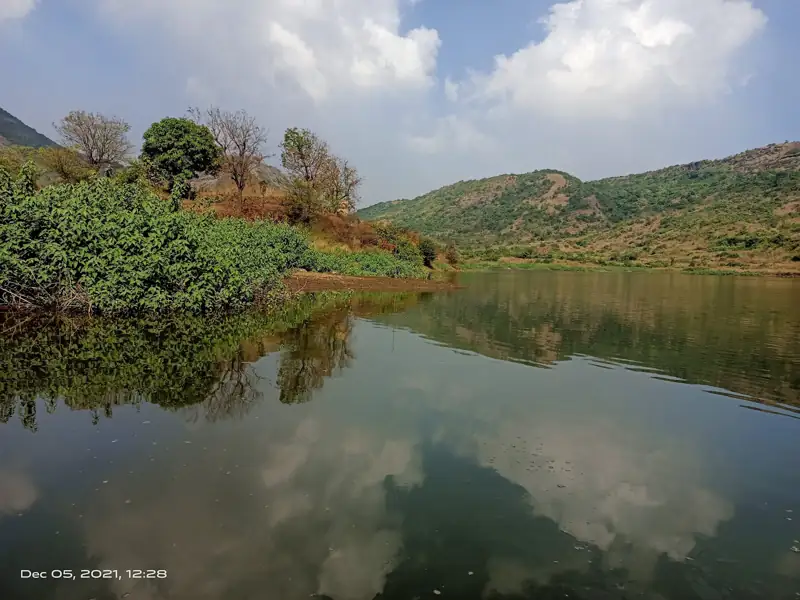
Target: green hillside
column 14, row 132
column 740, row 212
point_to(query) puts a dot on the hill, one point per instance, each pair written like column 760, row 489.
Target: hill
column 14, row 132
column 742, row 212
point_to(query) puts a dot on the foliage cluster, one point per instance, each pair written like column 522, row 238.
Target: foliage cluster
column 180, row 149
column 117, row 248
column 427, row 247
column 364, row 262
column 54, row 164
column 319, row 181
column 111, row 247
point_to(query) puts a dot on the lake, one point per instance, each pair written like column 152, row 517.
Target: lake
column 534, row 435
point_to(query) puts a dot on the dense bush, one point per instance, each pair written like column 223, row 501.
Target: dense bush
column 367, row 262
column 406, row 251
column 451, row 255
column 428, row 250
column 117, row 248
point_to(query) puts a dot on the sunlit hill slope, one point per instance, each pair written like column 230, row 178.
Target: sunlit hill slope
column 742, row 211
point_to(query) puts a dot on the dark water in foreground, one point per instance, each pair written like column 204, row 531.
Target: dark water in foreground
column 537, row 435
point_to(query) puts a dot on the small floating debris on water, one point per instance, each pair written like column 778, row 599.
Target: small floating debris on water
column 145, row 422
column 437, row 592
column 105, row 480
column 127, row 501
column 795, row 549
column 187, row 441
column 470, row 573
column 114, row 441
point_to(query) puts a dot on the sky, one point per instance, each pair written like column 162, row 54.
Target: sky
column 418, row 94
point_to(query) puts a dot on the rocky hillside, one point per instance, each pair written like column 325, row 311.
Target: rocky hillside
column 14, row 132
column 742, row 211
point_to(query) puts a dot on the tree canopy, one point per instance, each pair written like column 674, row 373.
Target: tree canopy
column 319, row 180
column 100, row 139
column 180, row 148
column 240, row 138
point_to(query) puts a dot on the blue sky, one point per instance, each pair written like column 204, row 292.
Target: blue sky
column 422, row 93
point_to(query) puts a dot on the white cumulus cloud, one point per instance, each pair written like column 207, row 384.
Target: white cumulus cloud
column 325, row 48
column 610, row 87
column 614, row 57
column 15, row 9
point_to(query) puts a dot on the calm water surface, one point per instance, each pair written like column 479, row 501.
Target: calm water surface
column 536, row 435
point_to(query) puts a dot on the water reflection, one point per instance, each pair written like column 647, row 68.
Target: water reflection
column 98, row 365
column 323, row 454
column 312, row 353
column 739, row 334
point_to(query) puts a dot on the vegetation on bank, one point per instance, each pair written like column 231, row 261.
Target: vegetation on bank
column 84, row 229
column 551, row 266
column 110, row 247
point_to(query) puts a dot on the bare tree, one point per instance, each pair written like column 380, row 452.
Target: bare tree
column 241, row 139
column 343, row 185
column 319, row 180
column 305, row 156
column 101, row 140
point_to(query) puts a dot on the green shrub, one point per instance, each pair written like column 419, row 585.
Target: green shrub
column 428, row 249
column 367, row 262
column 451, row 254
column 406, row 251
column 117, row 248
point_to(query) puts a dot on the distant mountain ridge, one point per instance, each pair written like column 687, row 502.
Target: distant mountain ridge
column 14, row 132
column 736, row 211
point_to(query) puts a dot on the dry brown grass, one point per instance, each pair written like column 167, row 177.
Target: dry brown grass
column 328, row 231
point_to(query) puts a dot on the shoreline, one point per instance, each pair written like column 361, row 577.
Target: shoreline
column 521, row 265
column 299, row 282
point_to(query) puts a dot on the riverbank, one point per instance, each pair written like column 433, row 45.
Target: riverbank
column 107, row 247
column 304, row 281
column 531, row 265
